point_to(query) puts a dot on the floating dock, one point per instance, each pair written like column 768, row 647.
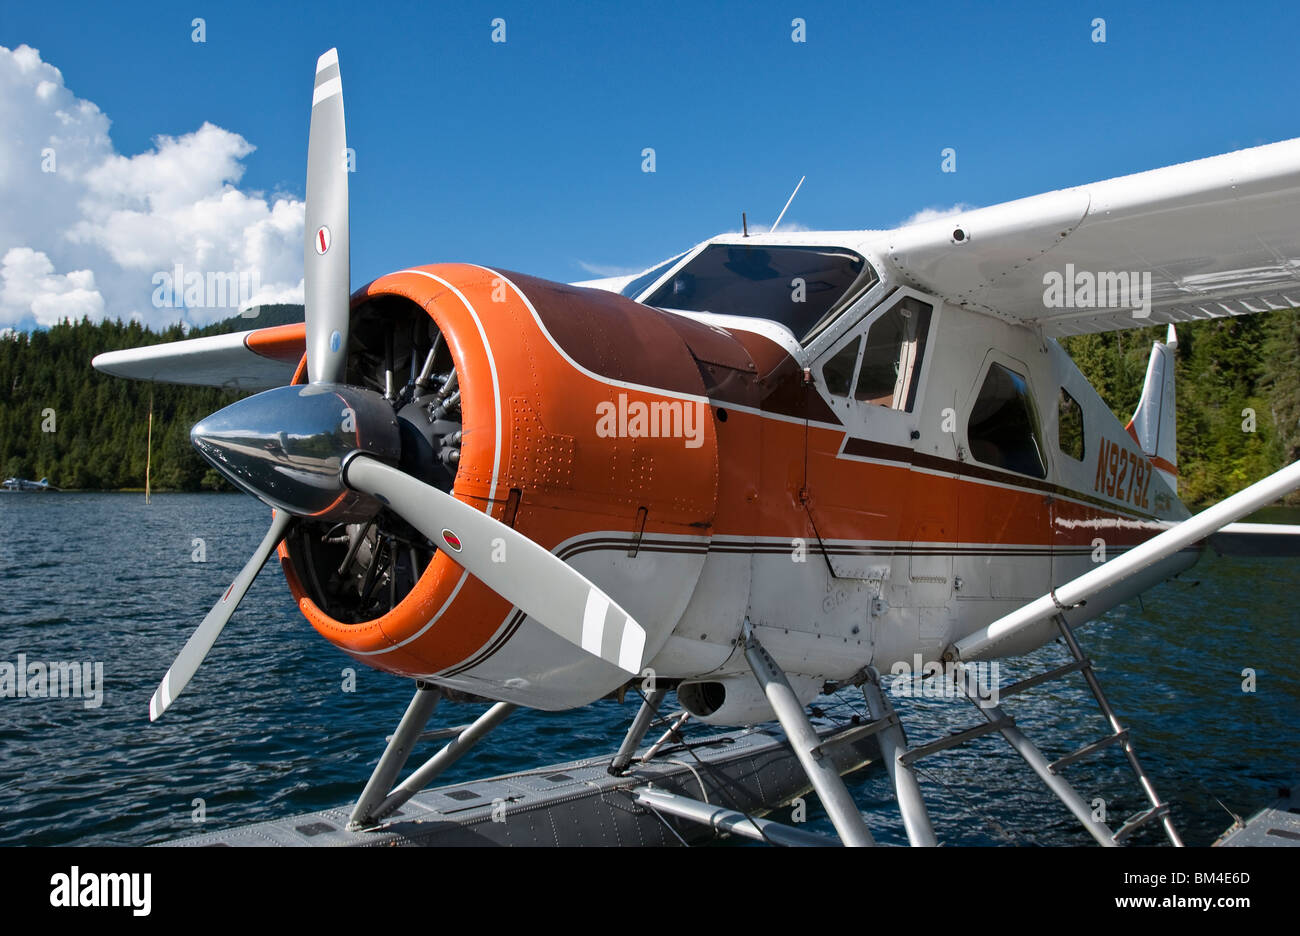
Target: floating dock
column 721, row 781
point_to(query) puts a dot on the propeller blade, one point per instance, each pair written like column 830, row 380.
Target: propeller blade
column 196, row 648
column 326, row 260
column 539, row 583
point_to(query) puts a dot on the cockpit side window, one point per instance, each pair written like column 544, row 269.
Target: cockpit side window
column 883, row 366
column 802, row 288
column 838, row 371
column 891, row 361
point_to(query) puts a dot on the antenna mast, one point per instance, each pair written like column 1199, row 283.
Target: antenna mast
column 787, row 205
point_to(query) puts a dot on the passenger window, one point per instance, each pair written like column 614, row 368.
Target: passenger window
column 838, row 372
column 891, row 362
column 1002, row 429
column 1069, row 426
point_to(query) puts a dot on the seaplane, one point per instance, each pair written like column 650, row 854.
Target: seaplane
column 25, row 486
column 777, row 465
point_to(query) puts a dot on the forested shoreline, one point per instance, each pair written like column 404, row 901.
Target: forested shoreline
column 1227, row 369
column 1238, row 388
column 100, row 423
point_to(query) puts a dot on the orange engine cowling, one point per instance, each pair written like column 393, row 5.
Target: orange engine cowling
column 578, row 417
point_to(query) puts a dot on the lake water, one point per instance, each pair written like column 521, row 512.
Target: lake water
column 266, row 729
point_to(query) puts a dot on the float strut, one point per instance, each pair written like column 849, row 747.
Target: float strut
column 672, row 732
column 916, row 819
column 395, row 754
column 825, row 779
column 1038, row 763
column 640, row 725
column 454, row 749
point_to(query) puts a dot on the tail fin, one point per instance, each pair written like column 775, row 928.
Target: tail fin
column 1154, row 425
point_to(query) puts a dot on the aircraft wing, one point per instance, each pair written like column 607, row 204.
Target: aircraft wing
column 1217, row 236
column 1257, row 539
column 250, row 360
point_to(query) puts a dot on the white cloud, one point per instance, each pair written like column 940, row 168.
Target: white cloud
column 112, row 221
column 934, row 214
column 29, row 281
column 605, row 269
column 787, row 227
column 758, row 227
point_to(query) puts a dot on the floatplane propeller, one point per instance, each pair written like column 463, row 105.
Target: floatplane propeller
column 330, row 451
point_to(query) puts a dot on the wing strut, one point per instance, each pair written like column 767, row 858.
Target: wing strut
column 1179, row 537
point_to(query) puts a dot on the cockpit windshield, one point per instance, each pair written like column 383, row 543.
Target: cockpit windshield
column 802, row 288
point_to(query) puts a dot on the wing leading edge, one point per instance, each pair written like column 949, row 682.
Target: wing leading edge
column 252, row 360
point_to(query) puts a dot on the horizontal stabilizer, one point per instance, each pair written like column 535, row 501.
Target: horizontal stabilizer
column 1257, row 539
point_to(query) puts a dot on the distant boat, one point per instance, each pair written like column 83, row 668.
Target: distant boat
column 22, row 484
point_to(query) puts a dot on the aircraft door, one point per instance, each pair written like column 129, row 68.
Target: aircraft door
column 1008, row 513
column 860, row 488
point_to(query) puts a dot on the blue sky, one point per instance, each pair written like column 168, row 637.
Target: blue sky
column 527, row 154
